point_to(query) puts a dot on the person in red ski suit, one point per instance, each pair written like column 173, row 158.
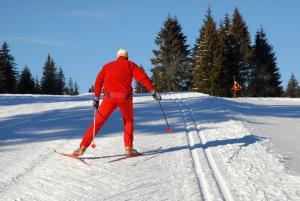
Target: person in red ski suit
column 116, row 79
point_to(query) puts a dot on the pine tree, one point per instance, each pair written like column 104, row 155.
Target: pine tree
column 49, row 79
column 243, row 41
column 76, row 89
column 171, row 63
column 203, row 55
column 293, row 88
column 265, row 76
column 37, row 85
column 91, row 90
column 60, row 82
column 70, row 87
column 8, row 73
column 158, row 77
column 26, row 83
column 225, row 66
column 139, row 88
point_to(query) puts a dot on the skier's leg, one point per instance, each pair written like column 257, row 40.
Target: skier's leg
column 126, row 108
column 105, row 109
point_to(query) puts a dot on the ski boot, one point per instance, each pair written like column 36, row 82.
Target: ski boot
column 80, row 151
column 129, row 151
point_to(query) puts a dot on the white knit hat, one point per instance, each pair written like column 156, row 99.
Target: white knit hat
column 122, row 52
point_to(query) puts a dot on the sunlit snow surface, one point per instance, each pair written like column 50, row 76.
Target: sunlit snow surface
column 220, row 149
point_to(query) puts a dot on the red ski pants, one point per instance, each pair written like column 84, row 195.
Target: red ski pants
column 107, row 106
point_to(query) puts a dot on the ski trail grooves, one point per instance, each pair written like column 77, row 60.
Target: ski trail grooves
column 212, row 183
column 27, row 169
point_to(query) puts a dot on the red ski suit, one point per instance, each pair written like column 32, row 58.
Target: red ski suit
column 116, row 77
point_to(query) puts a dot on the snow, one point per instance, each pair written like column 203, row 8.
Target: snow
column 220, row 149
column 277, row 119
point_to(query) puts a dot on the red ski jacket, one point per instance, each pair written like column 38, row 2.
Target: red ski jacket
column 116, row 76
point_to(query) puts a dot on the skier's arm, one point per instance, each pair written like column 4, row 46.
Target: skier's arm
column 140, row 76
column 99, row 83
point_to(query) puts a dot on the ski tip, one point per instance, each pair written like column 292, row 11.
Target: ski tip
column 72, row 156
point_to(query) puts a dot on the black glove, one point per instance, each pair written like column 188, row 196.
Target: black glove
column 96, row 103
column 156, row 95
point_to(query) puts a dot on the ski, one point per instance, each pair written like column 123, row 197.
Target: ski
column 72, row 156
column 125, row 157
column 140, row 154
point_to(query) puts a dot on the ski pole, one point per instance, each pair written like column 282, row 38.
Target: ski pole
column 93, row 144
column 169, row 129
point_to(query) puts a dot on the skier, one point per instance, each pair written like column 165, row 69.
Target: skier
column 116, row 77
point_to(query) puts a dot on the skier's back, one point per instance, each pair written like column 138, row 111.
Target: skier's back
column 117, row 76
column 116, row 79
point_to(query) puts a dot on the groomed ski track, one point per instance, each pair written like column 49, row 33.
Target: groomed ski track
column 212, row 184
column 207, row 157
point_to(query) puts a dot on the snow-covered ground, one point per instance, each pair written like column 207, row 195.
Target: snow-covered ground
column 220, row 149
column 279, row 120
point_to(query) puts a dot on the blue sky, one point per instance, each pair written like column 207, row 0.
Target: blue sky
column 81, row 36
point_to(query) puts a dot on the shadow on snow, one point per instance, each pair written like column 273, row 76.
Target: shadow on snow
column 72, row 123
column 243, row 142
column 10, row 100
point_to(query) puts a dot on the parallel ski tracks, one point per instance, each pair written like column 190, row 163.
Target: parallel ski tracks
column 212, row 184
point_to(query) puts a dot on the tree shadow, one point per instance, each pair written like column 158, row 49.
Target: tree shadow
column 10, row 100
column 213, row 109
column 72, row 123
column 52, row 125
column 242, row 142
